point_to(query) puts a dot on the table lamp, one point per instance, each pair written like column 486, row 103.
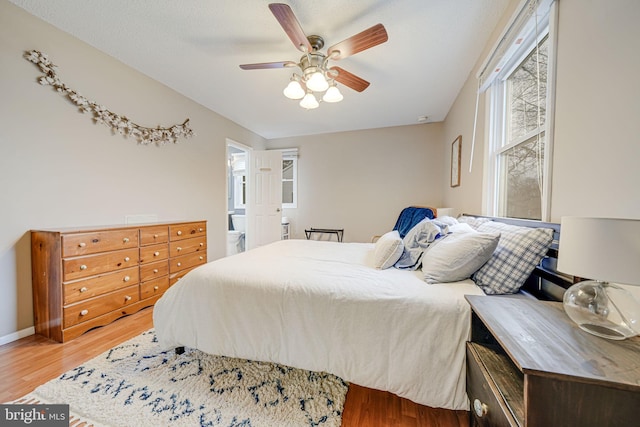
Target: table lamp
column 607, row 252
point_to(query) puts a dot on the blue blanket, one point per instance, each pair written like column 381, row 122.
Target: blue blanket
column 409, row 217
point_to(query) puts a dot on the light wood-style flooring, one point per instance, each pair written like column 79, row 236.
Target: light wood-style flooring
column 31, row 361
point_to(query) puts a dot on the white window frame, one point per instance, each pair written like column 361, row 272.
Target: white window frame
column 531, row 33
column 291, row 154
column 237, row 191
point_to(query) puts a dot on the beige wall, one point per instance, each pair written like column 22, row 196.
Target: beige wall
column 361, row 180
column 58, row 169
column 597, row 148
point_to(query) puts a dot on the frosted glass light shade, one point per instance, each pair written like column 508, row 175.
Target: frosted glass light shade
column 332, row 95
column 294, row 90
column 607, row 250
column 317, row 82
column 309, row 102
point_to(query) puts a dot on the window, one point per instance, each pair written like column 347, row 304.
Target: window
column 238, row 170
column 290, row 178
column 519, row 139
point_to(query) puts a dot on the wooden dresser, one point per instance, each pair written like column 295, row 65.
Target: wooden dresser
column 529, row 365
column 90, row 276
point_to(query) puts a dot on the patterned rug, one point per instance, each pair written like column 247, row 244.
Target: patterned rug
column 135, row 384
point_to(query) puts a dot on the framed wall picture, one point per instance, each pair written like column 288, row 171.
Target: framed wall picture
column 456, row 150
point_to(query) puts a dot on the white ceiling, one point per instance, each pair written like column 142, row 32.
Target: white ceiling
column 195, row 47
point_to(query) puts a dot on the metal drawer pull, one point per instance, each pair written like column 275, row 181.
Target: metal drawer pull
column 155, row 288
column 127, row 298
column 179, row 264
column 201, row 229
column 178, row 249
column 155, row 236
column 201, row 244
column 126, row 240
column 480, row 408
column 201, row 258
column 82, row 244
column 83, row 267
column 83, row 289
column 84, row 312
column 155, row 270
column 127, row 278
column 156, row 253
column 179, row 233
column 127, row 259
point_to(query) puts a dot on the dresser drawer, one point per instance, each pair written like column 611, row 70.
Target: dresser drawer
column 154, row 287
column 77, row 244
column 154, row 270
column 187, row 261
column 154, row 253
column 486, row 409
column 187, row 230
column 89, row 288
column 187, row 246
column 91, row 265
column 154, row 235
column 94, row 307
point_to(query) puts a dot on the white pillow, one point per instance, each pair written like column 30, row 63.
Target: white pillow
column 388, row 250
column 462, row 227
column 473, row 221
column 457, row 256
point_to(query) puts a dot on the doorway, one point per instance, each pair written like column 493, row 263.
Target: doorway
column 238, row 192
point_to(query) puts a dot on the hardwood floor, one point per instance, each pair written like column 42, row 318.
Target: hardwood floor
column 31, row 361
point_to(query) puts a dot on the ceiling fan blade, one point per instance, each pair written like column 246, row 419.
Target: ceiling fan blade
column 349, row 79
column 366, row 39
column 266, row 65
column 290, row 25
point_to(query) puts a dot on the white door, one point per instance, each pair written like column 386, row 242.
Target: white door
column 264, row 210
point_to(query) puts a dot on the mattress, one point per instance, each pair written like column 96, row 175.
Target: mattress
column 321, row 306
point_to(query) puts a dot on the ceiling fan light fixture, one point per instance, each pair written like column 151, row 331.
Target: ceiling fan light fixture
column 294, row 90
column 317, row 82
column 317, row 76
column 309, row 101
column 332, row 95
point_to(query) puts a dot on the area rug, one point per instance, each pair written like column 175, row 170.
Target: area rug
column 136, row 384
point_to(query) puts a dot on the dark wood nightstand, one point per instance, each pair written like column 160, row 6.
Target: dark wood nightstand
column 529, row 365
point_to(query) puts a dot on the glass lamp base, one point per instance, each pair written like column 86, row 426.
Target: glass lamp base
column 603, row 309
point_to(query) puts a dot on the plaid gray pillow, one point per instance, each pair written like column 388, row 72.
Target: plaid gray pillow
column 519, row 250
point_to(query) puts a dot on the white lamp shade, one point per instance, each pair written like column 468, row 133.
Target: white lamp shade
column 317, row 82
column 332, row 95
column 604, row 249
column 309, row 102
column 294, row 90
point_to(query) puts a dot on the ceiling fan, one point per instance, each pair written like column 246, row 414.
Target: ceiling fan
column 317, row 75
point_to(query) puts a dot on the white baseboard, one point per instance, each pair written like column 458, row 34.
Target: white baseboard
column 17, row 335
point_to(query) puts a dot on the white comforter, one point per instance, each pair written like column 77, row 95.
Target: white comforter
column 320, row 306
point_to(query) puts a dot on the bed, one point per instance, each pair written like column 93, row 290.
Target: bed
column 321, row 306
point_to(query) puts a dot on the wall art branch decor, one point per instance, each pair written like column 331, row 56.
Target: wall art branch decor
column 118, row 124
